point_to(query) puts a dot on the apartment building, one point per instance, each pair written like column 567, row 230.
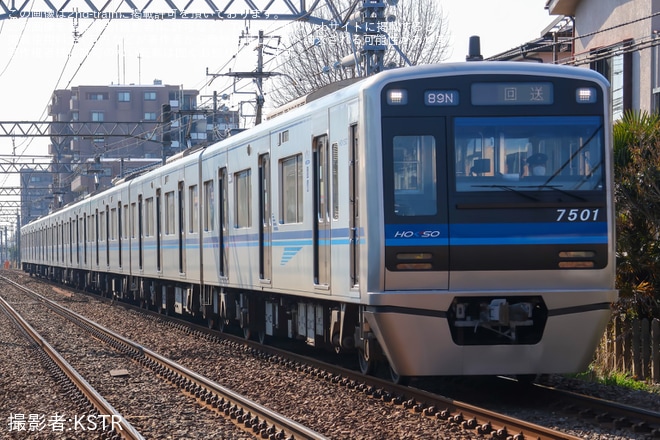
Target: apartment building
column 82, row 165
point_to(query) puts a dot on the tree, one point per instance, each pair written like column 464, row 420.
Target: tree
column 637, row 200
column 312, row 52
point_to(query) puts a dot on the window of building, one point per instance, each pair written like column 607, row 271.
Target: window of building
column 243, row 214
column 97, row 96
column 615, row 64
column 291, row 189
column 149, row 96
column 655, row 77
column 150, row 116
column 97, row 116
column 123, row 96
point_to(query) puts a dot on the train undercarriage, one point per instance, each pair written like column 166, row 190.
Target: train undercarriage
column 328, row 325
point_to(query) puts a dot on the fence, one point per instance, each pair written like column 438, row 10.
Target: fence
column 631, row 347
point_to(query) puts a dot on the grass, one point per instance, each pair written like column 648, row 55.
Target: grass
column 619, row 379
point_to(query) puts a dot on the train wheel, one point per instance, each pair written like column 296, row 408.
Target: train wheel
column 366, row 363
column 247, row 333
column 222, row 324
column 210, row 323
column 261, row 337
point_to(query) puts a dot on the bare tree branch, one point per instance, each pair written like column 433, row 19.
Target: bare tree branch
column 313, row 51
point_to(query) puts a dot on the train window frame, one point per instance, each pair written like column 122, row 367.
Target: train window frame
column 170, row 213
column 113, row 224
column 415, row 179
column 209, row 206
column 148, row 216
column 125, row 222
column 193, row 209
column 510, row 153
column 243, row 191
column 291, row 189
column 101, row 225
column 133, row 219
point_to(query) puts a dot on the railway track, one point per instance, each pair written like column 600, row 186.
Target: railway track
column 640, row 421
column 472, row 420
column 247, row 414
column 104, row 411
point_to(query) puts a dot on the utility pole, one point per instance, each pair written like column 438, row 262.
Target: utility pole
column 258, row 75
column 259, row 78
column 166, row 135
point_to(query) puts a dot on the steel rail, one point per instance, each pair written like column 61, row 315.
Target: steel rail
column 269, row 422
column 470, row 417
column 126, row 430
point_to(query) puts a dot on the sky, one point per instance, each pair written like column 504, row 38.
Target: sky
column 39, row 54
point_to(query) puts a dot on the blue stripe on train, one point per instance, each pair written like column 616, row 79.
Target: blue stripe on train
column 475, row 234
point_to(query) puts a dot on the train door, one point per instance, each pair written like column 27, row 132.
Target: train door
column 415, row 203
column 77, row 227
column 140, row 232
column 181, row 230
column 85, row 221
column 107, row 235
column 265, row 224
column 119, row 235
column 354, row 219
column 322, row 218
column 222, row 219
column 96, row 236
column 158, row 232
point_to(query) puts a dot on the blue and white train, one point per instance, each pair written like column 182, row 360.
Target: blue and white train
column 450, row 219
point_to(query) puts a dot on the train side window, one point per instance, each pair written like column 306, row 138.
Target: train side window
column 169, row 212
column 291, row 189
column 193, row 200
column 133, row 220
column 124, row 220
column 149, row 217
column 209, row 207
column 243, row 197
column 335, row 181
column 415, row 175
column 113, row 224
column 101, row 225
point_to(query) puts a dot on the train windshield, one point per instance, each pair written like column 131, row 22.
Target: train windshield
column 528, row 153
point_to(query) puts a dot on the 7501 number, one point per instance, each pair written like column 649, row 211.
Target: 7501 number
column 577, row 215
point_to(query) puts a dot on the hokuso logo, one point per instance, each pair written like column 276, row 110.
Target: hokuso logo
column 416, row 234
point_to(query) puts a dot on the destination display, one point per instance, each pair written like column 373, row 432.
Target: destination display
column 520, row 93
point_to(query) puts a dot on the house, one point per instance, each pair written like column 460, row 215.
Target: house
column 618, row 38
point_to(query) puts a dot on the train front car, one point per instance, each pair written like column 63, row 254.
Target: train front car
column 497, row 234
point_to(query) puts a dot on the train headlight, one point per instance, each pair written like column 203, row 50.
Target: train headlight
column 397, row 97
column 585, row 95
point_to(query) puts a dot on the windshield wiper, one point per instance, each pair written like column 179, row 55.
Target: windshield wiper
column 570, row 159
